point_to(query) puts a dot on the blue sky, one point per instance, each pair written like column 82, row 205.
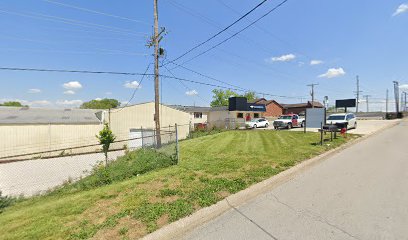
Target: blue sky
column 341, row 38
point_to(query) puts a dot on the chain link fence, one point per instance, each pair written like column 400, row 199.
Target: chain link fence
column 24, row 170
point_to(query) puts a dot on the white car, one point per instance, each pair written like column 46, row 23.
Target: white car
column 343, row 120
column 257, row 122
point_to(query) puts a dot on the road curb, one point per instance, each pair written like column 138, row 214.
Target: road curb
column 176, row 229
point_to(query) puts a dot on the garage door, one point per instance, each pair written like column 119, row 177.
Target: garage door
column 140, row 138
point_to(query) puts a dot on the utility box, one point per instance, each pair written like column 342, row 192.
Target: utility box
column 315, row 117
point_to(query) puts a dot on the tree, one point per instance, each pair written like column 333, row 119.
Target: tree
column 221, row 97
column 12, row 104
column 101, row 104
column 105, row 138
column 250, row 96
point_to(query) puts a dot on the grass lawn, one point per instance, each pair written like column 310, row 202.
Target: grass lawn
column 211, row 168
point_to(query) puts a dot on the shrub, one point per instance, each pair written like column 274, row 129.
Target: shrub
column 5, row 201
column 131, row 165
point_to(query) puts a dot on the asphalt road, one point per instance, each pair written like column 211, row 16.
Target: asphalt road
column 358, row 193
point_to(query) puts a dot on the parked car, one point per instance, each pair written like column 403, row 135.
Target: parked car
column 257, row 122
column 343, row 120
column 288, row 121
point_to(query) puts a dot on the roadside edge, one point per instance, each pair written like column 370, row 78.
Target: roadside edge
column 176, row 229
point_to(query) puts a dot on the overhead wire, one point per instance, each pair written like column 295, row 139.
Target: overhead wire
column 135, row 90
column 221, row 31
column 96, row 12
column 72, row 22
column 235, row 34
column 140, row 74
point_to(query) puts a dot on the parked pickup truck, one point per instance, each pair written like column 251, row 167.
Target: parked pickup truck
column 288, row 121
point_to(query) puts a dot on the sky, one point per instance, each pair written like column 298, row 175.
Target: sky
column 302, row 42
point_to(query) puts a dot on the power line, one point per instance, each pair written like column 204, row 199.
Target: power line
column 203, row 75
column 73, row 71
column 72, row 22
column 134, row 91
column 144, row 74
column 233, row 35
column 96, row 12
column 220, row 32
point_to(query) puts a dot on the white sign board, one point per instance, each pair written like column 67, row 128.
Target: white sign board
column 315, row 117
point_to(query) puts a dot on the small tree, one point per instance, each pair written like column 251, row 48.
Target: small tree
column 106, row 137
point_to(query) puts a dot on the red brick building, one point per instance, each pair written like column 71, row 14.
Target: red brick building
column 300, row 108
column 273, row 108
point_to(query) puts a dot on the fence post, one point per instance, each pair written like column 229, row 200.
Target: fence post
column 141, row 132
column 189, row 129
column 177, row 145
column 321, row 133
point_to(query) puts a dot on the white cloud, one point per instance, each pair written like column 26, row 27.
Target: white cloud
column 34, row 90
column 69, row 102
column 316, row 62
column 192, row 93
column 72, row 85
column 401, row 9
column 36, row 103
column 124, row 102
column 300, row 64
column 404, row 86
column 69, row 92
column 132, row 85
column 333, row 72
column 98, row 99
column 40, row 103
column 283, row 58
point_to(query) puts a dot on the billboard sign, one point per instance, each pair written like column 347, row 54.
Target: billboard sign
column 344, row 103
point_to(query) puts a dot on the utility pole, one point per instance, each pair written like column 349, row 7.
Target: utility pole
column 357, row 92
column 366, row 97
column 386, row 101
column 155, row 42
column 396, row 95
column 312, row 93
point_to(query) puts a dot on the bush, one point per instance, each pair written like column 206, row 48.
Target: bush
column 5, row 201
column 203, row 132
column 131, row 165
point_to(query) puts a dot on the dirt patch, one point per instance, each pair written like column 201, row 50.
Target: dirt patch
column 163, row 220
column 223, row 194
column 100, row 211
column 126, row 227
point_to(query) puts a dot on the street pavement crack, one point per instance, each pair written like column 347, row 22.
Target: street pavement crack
column 252, row 221
column 313, row 216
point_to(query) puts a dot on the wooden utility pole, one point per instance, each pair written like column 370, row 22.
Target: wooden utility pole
column 366, row 97
column 156, row 74
column 312, row 93
column 396, row 95
column 386, row 101
column 357, row 92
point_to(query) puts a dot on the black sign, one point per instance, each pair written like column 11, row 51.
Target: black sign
column 241, row 104
column 345, row 103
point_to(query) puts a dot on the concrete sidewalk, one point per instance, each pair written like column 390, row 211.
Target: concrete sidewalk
column 358, row 193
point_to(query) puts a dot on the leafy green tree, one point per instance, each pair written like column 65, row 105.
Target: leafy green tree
column 106, row 137
column 220, row 97
column 12, row 104
column 101, row 104
column 250, row 96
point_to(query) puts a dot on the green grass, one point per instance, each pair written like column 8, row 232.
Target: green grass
column 129, row 205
